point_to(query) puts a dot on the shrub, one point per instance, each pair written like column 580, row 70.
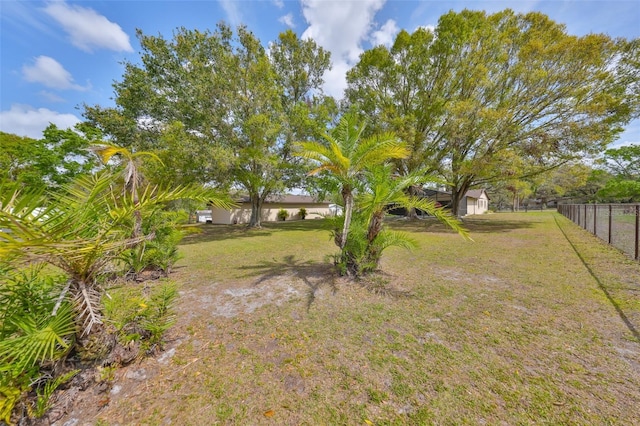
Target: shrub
column 137, row 316
column 283, row 214
column 302, row 213
column 36, row 327
column 160, row 253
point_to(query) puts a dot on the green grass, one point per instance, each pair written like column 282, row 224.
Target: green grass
column 512, row 328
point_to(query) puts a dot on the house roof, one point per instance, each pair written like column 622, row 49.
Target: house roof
column 287, row 199
column 476, row 193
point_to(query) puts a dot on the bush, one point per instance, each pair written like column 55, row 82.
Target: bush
column 141, row 317
column 31, row 337
column 283, row 214
column 159, row 254
column 302, row 213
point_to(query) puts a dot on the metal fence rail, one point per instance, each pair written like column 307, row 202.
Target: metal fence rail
column 617, row 224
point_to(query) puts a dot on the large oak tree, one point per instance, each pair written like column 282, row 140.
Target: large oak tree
column 481, row 89
column 219, row 108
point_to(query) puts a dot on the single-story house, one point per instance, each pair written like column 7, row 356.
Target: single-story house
column 315, row 209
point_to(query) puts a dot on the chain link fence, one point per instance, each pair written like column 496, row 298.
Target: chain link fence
column 617, row 224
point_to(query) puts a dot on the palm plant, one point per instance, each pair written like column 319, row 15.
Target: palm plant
column 346, row 155
column 81, row 230
column 132, row 178
column 383, row 192
column 368, row 188
column 29, row 335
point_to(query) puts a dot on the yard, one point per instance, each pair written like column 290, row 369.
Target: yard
column 535, row 321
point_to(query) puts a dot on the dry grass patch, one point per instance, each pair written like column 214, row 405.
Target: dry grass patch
column 509, row 329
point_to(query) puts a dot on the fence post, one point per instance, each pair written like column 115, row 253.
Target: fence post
column 595, row 219
column 637, row 229
column 585, row 216
column 610, row 221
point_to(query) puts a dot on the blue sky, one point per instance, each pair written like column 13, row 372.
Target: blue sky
column 56, row 56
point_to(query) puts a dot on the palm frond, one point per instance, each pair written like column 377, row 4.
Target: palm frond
column 86, row 302
column 387, row 238
column 430, row 207
column 106, row 151
column 152, row 196
column 39, row 339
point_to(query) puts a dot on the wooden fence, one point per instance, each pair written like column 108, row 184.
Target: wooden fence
column 617, row 224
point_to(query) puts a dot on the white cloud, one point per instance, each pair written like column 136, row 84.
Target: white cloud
column 287, row 20
column 386, row 34
column 335, row 79
column 51, row 73
column 340, row 27
column 88, row 29
column 278, row 3
column 233, row 13
column 630, row 136
column 24, row 120
column 50, row 97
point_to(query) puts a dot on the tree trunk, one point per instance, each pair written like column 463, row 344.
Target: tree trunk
column 256, row 211
column 457, row 194
column 375, row 226
column 137, row 215
column 411, row 212
column 348, row 210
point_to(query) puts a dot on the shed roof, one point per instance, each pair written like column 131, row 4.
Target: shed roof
column 476, row 193
column 446, row 195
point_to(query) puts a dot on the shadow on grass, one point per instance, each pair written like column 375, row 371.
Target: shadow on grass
column 474, row 225
column 625, row 319
column 209, row 232
column 314, row 275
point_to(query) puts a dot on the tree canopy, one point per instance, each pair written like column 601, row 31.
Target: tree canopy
column 50, row 162
column 623, row 164
column 221, row 109
column 482, row 90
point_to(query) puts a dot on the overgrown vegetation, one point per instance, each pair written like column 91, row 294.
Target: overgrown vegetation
column 58, row 252
column 31, row 338
column 141, row 317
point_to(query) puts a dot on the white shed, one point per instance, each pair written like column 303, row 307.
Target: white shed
column 477, row 202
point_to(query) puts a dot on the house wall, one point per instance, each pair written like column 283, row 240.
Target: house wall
column 314, row 211
column 221, row 216
column 270, row 211
column 477, row 205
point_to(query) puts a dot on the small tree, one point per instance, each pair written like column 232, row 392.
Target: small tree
column 368, row 189
column 82, row 230
column 346, row 155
